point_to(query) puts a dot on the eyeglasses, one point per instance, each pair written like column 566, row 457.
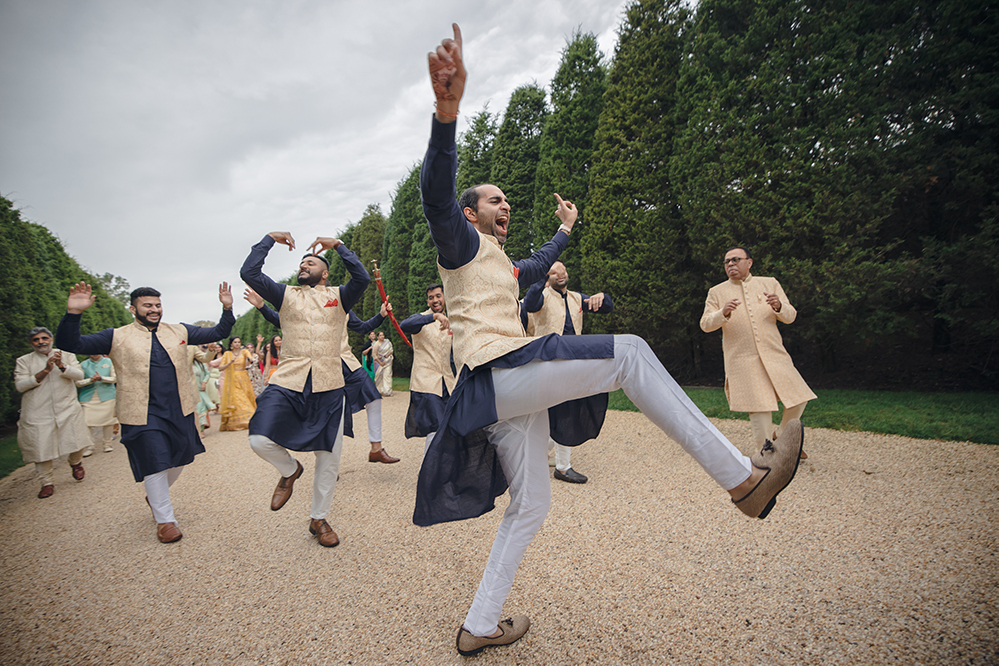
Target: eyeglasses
column 733, row 260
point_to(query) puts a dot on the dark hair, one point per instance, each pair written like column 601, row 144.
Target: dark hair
column 319, row 257
column 273, row 348
column 749, row 255
column 38, row 329
column 235, row 337
column 142, row 291
column 470, row 198
column 431, row 287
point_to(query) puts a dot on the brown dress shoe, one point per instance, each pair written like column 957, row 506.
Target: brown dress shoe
column 381, row 456
column 284, row 488
column 327, row 537
column 78, row 472
column 168, row 532
column 46, row 491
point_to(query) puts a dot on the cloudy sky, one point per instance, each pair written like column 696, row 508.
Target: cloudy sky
column 160, row 140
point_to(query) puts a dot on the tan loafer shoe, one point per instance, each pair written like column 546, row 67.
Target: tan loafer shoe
column 780, row 459
column 381, row 456
column 168, row 532
column 512, row 629
column 284, row 488
column 322, row 530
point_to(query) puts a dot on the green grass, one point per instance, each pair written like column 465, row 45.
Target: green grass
column 10, row 455
column 961, row 417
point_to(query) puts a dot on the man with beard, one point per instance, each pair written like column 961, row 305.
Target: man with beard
column 51, row 424
column 302, row 408
column 550, row 307
column 495, row 428
column 432, row 378
column 360, row 389
column 156, row 396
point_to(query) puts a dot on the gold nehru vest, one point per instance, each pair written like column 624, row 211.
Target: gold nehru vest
column 431, row 360
column 131, row 347
column 313, row 324
column 551, row 317
column 483, row 306
column 347, row 355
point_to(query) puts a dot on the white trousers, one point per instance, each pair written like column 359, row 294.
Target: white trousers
column 374, row 412
column 327, row 468
column 521, row 435
column 102, row 434
column 563, row 455
column 158, row 493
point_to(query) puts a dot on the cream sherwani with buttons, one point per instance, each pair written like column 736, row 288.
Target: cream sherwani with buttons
column 758, row 370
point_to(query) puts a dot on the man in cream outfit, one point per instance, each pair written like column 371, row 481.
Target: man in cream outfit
column 51, row 423
column 758, row 370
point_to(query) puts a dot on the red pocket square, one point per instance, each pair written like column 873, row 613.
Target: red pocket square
column 331, row 304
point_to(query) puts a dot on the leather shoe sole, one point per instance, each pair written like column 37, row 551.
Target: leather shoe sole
column 46, row 491
column 284, row 488
column 571, row 476
column 780, row 459
column 325, row 534
column 382, row 457
column 168, row 532
column 78, row 472
column 513, row 629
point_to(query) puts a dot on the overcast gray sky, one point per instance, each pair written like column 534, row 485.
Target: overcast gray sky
column 160, row 140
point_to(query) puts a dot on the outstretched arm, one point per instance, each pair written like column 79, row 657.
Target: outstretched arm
column 68, row 336
column 355, row 323
column 197, row 335
column 598, row 303
column 535, row 296
column 252, row 270
column 542, row 260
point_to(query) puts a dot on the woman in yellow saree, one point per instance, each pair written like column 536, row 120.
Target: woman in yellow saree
column 238, row 401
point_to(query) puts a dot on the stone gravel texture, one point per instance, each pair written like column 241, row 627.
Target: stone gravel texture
column 883, row 550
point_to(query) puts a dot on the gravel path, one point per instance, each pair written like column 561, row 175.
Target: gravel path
column 883, row 550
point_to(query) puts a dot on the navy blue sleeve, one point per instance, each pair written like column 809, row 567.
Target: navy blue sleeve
column 605, row 308
column 454, row 236
column 252, row 274
column 350, row 293
column 355, row 324
column 270, row 316
column 537, row 265
column 534, row 298
column 197, row 335
column 413, row 324
column 68, row 337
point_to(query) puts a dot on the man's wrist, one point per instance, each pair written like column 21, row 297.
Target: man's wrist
column 566, row 229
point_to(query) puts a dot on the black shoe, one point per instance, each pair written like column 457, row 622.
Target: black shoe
column 570, row 476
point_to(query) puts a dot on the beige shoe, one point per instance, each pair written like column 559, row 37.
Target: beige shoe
column 108, row 448
column 780, row 459
column 168, row 532
column 87, row 452
column 512, row 627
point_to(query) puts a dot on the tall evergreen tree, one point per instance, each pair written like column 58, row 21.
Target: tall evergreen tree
column 515, row 163
column 406, row 215
column 475, row 150
column 635, row 246
column 565, row 157
column 422, row 267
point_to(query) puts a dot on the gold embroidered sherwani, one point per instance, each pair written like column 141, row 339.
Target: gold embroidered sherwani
column 758, row 370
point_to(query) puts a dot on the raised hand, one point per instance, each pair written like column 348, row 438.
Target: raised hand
column 225, row 295
column 447, row 76
column 254, row 299
column 81, row 297
column 284, row 238
column 385, row 309
column 324, row 243
column 596, row 301
column 566, row 212
column 773, row 300
column 442, row 320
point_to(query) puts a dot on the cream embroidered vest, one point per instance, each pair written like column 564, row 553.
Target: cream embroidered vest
column 347, row 355
column 131, row 346
column 312, row 327
column 483, row 306
column 551, row 317
column 431, row 360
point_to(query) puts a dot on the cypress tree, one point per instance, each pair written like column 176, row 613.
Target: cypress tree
column 406, row 215
column 567, row 143
column 515, row 163
column 475, row 150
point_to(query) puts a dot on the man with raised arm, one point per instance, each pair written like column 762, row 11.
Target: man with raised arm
column 156, row 395
column 359, row 387
column 549, row 307
column 495, row 427
column 302, row 408
column 432, row 378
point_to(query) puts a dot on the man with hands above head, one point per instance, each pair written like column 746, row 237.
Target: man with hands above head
column 494, row 433
column 303, row 406
column 156, row 396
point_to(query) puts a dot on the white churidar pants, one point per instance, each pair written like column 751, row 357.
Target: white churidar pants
column 563, row 455
column 158, row 493
column 374, row 412
column 327, row 468
column 520, row 436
